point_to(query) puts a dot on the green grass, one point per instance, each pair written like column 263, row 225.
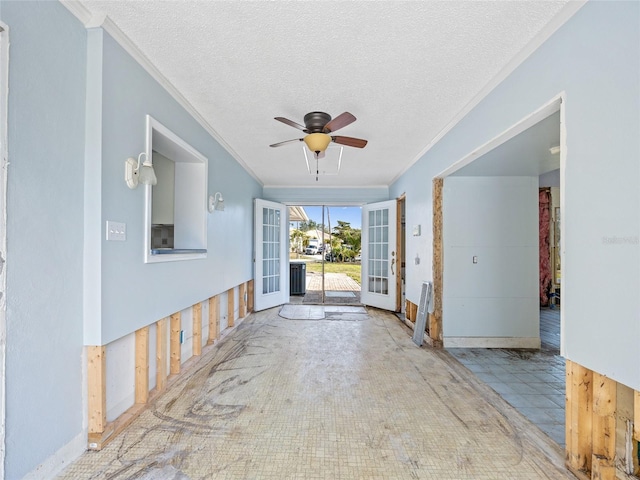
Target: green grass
column 350, row 269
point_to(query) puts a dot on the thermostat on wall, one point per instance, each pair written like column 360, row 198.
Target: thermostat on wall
column 416, row 230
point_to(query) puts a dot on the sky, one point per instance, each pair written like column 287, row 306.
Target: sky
column 353, row 215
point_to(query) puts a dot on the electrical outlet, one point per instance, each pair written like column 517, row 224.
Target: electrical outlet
column 116, row 231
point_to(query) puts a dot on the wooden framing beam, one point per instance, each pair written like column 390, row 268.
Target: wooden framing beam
column 142, row 366
column 435, row 319
column 250, row 296
column 636, row 415
column 197, row 329
column 214, row 319
column 242, row 300
column 400, row 202
column 231, row 307
column 161, row 354
column 174, row 341
column 97, row 388
column 604, row 427
column 579, row 417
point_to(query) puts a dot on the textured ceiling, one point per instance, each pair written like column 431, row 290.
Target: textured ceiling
column 406, row 70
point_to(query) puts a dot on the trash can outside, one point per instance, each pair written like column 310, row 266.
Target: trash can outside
column 297, row 278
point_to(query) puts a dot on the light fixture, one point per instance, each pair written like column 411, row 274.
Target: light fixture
column 216, row 202
column 134, row 173
column 317, row 142
column 555, row 150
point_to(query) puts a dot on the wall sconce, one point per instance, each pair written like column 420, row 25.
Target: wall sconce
column 216, row 202
column 134, row 173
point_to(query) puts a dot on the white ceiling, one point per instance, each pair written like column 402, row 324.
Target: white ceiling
column 406, row 70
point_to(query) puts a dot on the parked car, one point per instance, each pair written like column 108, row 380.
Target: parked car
column 358, row 257
column 311, row 250
column 329, row 257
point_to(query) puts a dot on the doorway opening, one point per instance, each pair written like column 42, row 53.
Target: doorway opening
column 325, row 254
column 501, row 262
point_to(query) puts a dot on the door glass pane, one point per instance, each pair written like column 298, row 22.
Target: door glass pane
column 271, row 250
column 378, row 247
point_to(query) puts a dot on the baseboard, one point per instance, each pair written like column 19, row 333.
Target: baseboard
column 60, row 460
column 492, row 342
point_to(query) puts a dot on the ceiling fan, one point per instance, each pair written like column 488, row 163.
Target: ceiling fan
column 318, row 126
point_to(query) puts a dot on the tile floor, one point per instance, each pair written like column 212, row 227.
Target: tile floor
column 326, row 399
column 531, row 381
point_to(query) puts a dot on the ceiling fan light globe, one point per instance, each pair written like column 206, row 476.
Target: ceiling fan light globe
column 317, row 142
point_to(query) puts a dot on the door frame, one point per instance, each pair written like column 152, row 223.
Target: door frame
column 556, row 104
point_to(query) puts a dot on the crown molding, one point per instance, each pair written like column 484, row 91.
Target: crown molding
column 90, row 20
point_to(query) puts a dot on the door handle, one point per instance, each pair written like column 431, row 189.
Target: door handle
column 393, row 260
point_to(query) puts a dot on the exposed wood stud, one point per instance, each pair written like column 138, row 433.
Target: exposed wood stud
column 602, row 468
column 230, row 307
column 414, row 312
column 579, row 412
column 250, row 296
column 214, row 319
column 197, row 329
column 636, row 415
column 97, row 388
column 604, row 422
column 399, row 254
column 242, row 292
column 568, row 412
column 142, row 366
column 435, row 319
column 161, row 354
column 174, row 340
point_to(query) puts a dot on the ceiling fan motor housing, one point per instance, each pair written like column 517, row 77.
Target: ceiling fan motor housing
column 315, row 121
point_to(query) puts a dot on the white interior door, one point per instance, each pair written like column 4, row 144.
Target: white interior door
column 271, row 283
column 380, row 264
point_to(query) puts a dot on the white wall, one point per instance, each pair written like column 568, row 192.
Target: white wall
column 494, row 219
column 595, row 60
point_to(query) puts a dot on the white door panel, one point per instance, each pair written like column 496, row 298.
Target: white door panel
column 379, row 262
column 271, row 259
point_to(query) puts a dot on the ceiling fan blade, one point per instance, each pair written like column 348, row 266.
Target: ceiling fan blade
column 287, row 141
column 292, row 124
column 350, row 141
column 340, row 121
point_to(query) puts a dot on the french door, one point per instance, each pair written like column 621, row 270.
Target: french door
column 271, row 282
column 380, row 265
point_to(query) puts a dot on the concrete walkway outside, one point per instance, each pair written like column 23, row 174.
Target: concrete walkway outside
column 326, row 399
column 339, row 289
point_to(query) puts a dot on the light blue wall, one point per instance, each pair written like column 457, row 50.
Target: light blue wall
column 135, row 294
column 44, row 232
column 76, row 112
column 595, row 59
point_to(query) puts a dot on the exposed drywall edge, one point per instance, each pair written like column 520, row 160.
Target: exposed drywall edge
column 565, row 14
column 92, row 256
column 90, row 21
column 60, row 460
column 492, row 342
column 4, row 162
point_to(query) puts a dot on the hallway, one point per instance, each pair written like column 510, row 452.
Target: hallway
column 340, row 398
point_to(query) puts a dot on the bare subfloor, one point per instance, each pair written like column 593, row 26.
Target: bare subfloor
column 326, row 399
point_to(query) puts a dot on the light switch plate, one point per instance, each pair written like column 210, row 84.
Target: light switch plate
column 116, row 231
column 416, row 230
